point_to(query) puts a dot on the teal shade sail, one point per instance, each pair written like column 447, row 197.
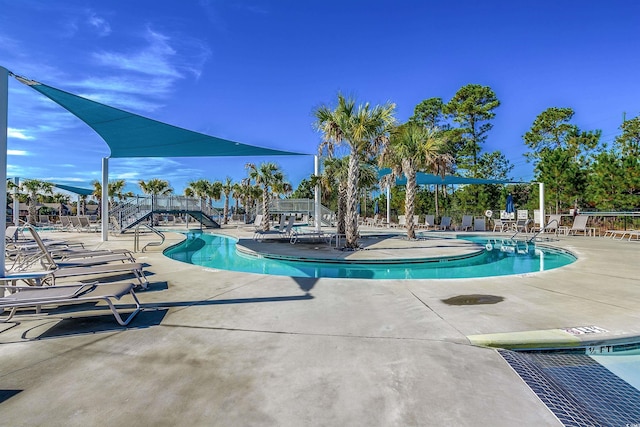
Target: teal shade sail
column 75, row 190
column 132, row 135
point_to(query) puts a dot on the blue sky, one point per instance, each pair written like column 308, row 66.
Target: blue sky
column 253, row 71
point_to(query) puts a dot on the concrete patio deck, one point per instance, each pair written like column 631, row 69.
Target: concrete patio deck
column 220, row 348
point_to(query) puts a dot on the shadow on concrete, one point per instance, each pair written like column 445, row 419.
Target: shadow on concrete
column 7, row 394
column 86, row 325
column 161, row 305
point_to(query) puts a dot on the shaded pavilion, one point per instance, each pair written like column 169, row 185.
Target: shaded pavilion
column 130, row 135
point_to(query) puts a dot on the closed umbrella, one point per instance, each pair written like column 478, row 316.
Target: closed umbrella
column 376, row 208
column 510, row 208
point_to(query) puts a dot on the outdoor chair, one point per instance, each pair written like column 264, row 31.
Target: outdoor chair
column 579, row 225
column 499, row 225
column 78, row 293
column 429, row 222
column 466, row 223
column 445, row 223
column 96, row 266
column 260, row 235
column 479, row 224
column 85, row 224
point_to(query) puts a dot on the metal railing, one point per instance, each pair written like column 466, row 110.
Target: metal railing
column 544, row 228
column 131, row 210
column 303, row 206
column 136, row 238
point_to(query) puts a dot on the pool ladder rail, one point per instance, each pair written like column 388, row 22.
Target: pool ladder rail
column 136, row 239
column 544, row 228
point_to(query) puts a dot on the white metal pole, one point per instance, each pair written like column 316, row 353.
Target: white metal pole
column 105, row 199
column 316, row 172
column 541, row 205
column 16, row 202
column 4, row 123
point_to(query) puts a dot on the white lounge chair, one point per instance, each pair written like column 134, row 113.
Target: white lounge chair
column 28, row 296
column 429, row 222
column 260, row 235
column 61, row 270
column 579, row 225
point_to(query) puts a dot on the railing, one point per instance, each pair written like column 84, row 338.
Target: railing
column 520, row 228
column 133, row 209
column 544, row 228
column 304, row 206
column 136, row 239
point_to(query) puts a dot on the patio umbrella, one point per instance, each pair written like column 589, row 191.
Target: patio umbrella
column 509, row 207
column 376, row 208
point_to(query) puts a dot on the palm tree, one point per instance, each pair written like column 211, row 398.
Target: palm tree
column 200, row 189
column 155, row 187
column 35, row 188
column 412, row 148
column 364, row 131
column 226, row 187
column 267, row 175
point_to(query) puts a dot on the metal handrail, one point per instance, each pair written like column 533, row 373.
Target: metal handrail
column 527, row 222
column 136, row 239
column 544, row 228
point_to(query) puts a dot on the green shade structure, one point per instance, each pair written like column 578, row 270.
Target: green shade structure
column 132, row 135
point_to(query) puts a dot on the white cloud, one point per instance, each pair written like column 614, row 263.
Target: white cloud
column 99, row 24
column 18, row 134
column 17, row 153
column 154, row 59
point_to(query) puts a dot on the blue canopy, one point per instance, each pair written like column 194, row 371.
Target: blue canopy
column 76, row 190
column 131, row 135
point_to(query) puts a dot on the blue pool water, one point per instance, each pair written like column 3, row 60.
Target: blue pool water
column 498, row 259
column 598, row 385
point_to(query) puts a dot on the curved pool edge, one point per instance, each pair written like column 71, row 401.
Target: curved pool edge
column 548, row 339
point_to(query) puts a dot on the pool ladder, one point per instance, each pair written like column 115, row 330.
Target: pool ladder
column 544, row 228
column 136, row 238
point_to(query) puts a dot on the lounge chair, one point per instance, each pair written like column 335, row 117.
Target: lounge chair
column 402, row 222
column 28, row 296
column 466, row 224
column 479, row 224
column 445, row 223
column 579, row 225
column 429, row 222
column 257, row 222
column 85, row 224
column 67, row 269
column 260, row 235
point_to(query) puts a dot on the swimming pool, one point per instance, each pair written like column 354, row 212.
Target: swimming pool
column 499, row 258
column 595, row 385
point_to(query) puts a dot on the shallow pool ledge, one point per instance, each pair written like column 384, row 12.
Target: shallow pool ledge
column 550, row 338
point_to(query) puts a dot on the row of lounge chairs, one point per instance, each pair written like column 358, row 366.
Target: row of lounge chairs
column 42, row 263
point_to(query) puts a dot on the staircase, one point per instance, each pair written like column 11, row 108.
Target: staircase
column 133, row 211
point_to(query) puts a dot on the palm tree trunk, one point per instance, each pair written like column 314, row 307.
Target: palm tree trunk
column 352, row 199
column 437, row 202
column 265, row 209
column 33, row 211
column 410, row 200
column 226, row 210
column 342, row 208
